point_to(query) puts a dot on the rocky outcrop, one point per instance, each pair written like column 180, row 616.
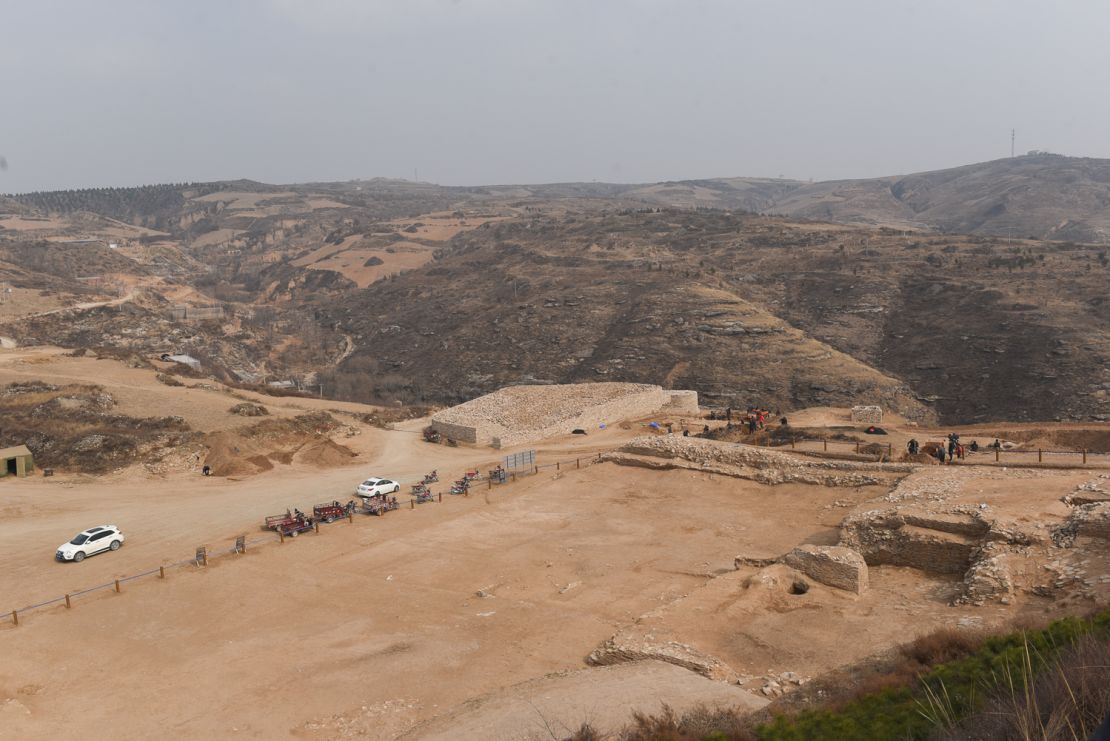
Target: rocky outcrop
column 833, row 566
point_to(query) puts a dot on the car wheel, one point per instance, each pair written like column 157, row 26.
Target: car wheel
column 294, row 534
column 114, row 546
column 78, row 557
column 329, row 519
column 396, row 488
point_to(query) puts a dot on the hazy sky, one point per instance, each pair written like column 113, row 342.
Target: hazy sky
column 115, row 92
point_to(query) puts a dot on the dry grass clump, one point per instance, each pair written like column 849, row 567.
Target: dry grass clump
column 699, row 724
column 1047, row 684
column 1068, row 698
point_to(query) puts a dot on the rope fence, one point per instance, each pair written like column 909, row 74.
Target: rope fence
column 206, row 554
column 887, row 449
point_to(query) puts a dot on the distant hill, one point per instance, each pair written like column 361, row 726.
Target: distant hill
column 1038, row 196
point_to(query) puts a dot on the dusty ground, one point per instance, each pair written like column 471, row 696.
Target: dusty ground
column 469, row 618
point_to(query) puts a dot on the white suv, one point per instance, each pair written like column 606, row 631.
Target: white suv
column 372, row 487
column 88, row 542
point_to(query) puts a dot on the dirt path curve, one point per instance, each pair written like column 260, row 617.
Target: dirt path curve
column 347, row 350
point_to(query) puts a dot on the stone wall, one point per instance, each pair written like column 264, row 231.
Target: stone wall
column 631, row 406
column 1094, row 520
column 884, row 537
column 522, row 414
column 463, row 433
column 868, row 415
column 682, row 402
column 834, row 566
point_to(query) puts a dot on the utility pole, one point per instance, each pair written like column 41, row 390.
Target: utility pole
column 1013, row 133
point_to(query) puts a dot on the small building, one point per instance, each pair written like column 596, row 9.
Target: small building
column 16, row 461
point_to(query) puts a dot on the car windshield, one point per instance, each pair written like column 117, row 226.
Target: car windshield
column 79, row 540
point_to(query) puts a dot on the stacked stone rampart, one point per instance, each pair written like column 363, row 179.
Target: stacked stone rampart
column 683, row 403
column 867, row 415
column 833, row 566
column 521, row 414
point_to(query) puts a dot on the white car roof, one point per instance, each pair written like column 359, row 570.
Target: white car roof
column 97, row 529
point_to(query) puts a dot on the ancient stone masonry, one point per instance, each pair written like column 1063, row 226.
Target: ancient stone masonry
column 942, row 544
column 988, row 579
column 522, row 414
column 1089, row 520
column 630, row 646
column 867, row 415
column 834, row 566
column 682, row 402
column 748, row 462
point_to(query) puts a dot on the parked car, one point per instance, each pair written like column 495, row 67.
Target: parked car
column 372, row 487
column 89, row 542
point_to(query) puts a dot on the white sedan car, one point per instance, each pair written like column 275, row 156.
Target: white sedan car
column 91, row 541
column 372, row 487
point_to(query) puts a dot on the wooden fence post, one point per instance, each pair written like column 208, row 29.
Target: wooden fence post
column 889, row 451
column 281, row 536
column 161, row 572
column 68, row 605
column 117, row 586
column 412, row 503
column 489, row 484
column 577, row 462
column 1040, row 455
column 241, row 544
column 857, row 446
column 1084, row 456
column 556, row 465
column 316, row 526
column 996, row 455
column 825, row 443
column 441, row 496
column 15, row 617
column 792, row 441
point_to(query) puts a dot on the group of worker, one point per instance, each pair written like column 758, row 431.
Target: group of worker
column 948, row 452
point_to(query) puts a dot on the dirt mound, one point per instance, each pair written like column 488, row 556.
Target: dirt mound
column 231, row 454
column 257, row 448
column 922, row 458
column 324, row 454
